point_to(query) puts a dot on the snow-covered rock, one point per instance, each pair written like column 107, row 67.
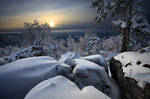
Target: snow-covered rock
column 136, row 65
column 87, row 73
column 145, row 50
column 63, row 69
column 18, row 77
column 68, row 56
column 62, row 88
column 131, row 70
column 98, row 59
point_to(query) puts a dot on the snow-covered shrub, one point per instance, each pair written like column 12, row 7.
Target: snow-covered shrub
column 38, row 49
column 112, row 44
column 56, row 48
column 9, row 50
column 90, row 43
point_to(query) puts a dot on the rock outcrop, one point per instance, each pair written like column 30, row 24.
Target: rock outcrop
column 131, row 71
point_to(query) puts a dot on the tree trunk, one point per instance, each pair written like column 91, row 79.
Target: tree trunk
column 125, row 39
column 126, row 31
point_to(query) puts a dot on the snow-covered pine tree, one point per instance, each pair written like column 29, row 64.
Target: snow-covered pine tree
column 131, row 21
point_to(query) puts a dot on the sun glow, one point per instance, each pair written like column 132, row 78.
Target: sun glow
column 52, row 24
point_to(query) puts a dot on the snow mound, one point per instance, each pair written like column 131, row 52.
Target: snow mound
column 18, row 77
column 136, row 65
column 87, row 73
column 52, row 88
column 98, row 59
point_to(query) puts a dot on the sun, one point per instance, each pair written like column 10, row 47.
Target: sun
column 52, row 24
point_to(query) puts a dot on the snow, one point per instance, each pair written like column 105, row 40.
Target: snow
column 52, row 88
column 87, row 73
column 64, row 69
column 136, row 65
column 98, row 59
column 84, row 64
column 109, row 71
column 121, row 23
column 107, row 54
column 18, row 77
column 23, row 74
column 2, row 61
column 145, row 50
column 38, row 49
column 68, row 55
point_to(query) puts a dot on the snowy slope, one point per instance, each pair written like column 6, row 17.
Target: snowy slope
column 53, row 89
column 136, row 65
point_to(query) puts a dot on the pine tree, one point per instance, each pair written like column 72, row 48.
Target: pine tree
column 131, row 20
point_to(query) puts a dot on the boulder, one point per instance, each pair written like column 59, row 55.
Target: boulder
column 18, row 77
column 98, row 59
column 87, row 73
column 131, row 71
column 62, row 88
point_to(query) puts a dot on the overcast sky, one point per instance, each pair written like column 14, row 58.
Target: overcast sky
column 65, row 13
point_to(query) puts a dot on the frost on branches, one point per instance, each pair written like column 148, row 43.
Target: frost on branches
column 131, row 21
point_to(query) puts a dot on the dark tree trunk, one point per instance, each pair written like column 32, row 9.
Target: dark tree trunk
column 126, row 31
column 125, row 39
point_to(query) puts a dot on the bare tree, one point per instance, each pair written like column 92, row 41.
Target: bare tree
column 35, row 31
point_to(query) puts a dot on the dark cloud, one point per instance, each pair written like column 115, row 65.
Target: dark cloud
column 13, row 7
